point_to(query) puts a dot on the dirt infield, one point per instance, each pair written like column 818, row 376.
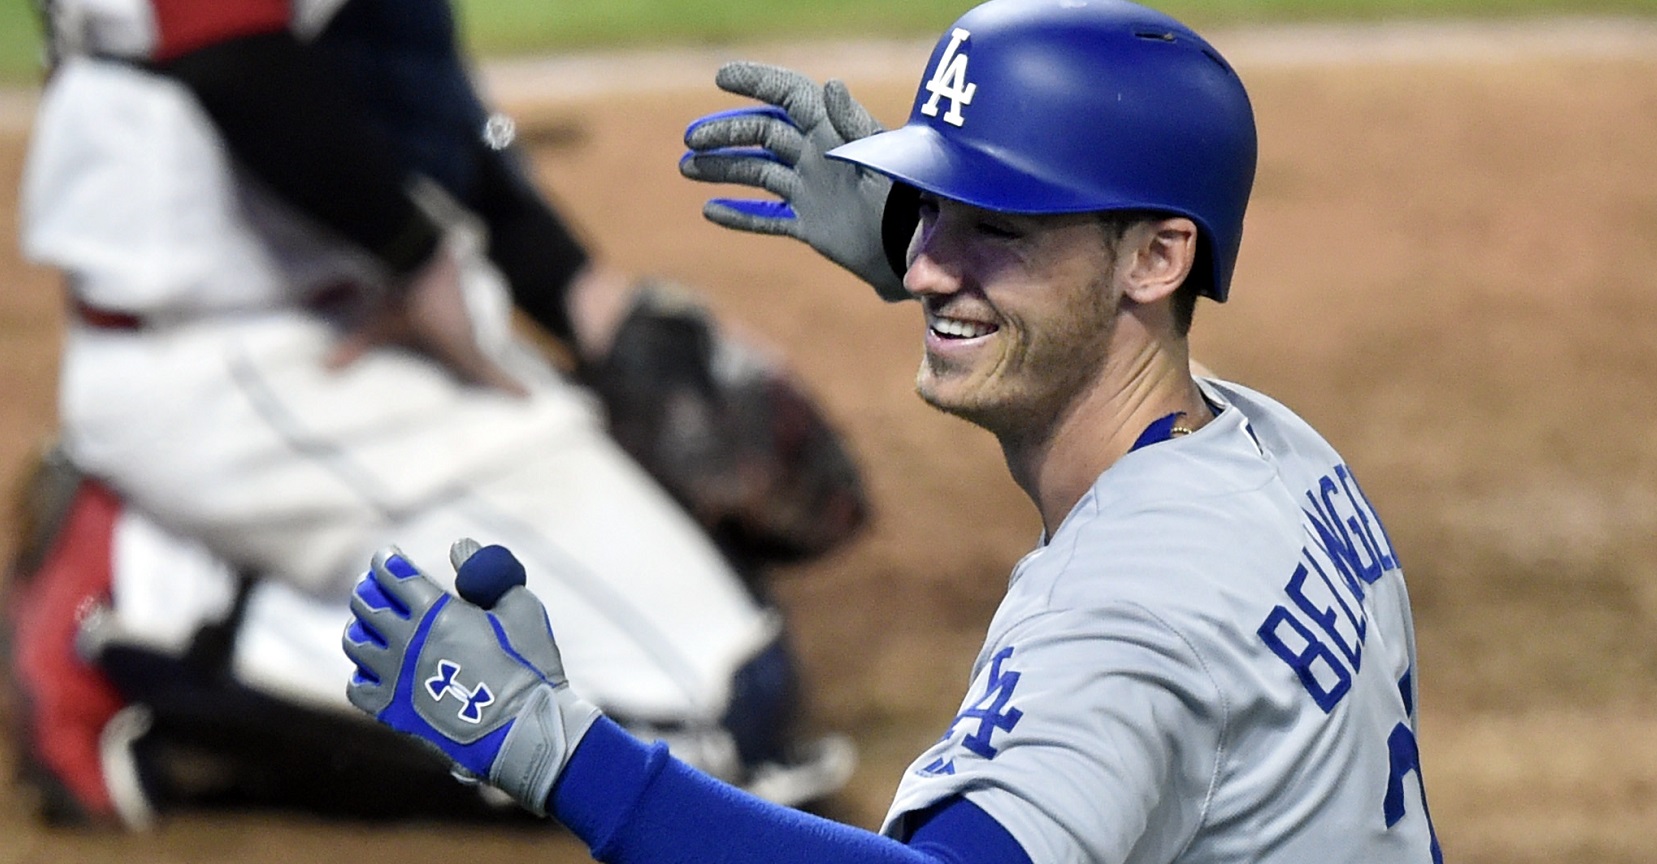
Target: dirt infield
column 1450, row 269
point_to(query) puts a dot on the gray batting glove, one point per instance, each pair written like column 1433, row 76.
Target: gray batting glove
column 835, row 207
column 477, row 677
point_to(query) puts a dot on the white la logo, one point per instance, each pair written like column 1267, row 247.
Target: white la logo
column 950, row 80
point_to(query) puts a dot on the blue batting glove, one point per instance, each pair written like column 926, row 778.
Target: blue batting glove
column 478, row 677
column 779, row 146
column 767, row 161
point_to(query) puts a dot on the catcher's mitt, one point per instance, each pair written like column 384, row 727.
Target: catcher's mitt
column 728, row 433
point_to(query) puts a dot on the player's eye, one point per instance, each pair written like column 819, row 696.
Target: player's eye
column 998, row 230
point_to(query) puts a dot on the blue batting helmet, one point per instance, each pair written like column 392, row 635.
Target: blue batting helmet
column 1069, row 106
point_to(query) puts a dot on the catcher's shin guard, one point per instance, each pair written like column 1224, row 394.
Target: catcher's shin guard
column 74, row 736
column 214, row 743
column 779, row 763
column 114, row 733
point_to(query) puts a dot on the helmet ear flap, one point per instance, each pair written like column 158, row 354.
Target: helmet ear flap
column 898, row 223
column 1202, row 269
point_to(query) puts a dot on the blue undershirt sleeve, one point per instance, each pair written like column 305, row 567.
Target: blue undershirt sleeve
column 956, row 831
column 632, row 803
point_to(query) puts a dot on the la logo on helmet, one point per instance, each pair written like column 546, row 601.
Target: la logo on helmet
column 949, row 81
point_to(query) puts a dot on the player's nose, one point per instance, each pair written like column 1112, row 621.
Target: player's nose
column 932, row 269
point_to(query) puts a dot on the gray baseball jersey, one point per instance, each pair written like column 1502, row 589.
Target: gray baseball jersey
column 1209, row 661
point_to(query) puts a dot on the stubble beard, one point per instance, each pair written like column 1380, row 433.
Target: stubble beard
column 1025, row 399
column 1033, row 385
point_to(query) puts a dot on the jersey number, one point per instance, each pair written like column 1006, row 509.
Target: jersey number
column 1406, row 759
column 1326, row 680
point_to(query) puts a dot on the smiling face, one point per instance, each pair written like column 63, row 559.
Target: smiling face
column 1019, row 311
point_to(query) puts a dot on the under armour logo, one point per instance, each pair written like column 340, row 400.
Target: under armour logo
column 990, row 710
column 949, row 80
column 472, row 701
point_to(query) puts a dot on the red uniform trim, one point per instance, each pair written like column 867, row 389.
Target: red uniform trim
column 68, row 701
column 183, row 26
column 104, row 319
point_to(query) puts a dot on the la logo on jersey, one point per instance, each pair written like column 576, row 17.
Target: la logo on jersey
column 990, row 712
column 472, row 701
column 949, row 81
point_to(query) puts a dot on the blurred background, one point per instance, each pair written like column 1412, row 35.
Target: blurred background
column 1450, row 269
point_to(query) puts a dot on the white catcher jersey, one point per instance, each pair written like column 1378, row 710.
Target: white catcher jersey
column 129, row 186
column 1209, row 661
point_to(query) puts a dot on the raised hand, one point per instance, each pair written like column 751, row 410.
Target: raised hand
column 477, row 676
column 835, row 207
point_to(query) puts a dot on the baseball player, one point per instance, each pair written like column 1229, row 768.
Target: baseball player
column 1208, row 656
column 294, row 239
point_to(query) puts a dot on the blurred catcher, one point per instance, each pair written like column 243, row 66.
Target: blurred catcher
column 296, row 243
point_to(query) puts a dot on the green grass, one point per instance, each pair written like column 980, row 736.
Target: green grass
column 495, row 27
column 519, row 26
column 19, row 42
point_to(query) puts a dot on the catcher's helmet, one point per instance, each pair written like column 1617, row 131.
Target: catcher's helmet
column 1068, row 106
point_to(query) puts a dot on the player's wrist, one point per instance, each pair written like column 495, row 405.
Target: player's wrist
column 604, row 780
column 538, row 748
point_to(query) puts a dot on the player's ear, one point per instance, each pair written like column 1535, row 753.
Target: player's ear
column 1155, row 256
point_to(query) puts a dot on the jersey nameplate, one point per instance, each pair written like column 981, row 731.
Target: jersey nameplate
column 1320, row 632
